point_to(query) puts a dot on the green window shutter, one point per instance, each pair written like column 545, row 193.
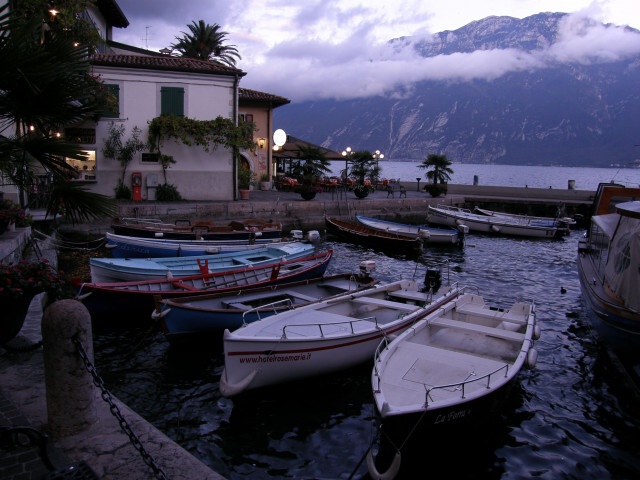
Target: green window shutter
column 114, row 111
column 172, row 101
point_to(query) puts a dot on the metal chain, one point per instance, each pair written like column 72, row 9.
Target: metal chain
column 106, row 396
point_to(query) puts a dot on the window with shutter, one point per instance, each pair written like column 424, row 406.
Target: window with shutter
column 113, row 109
column 172, row 101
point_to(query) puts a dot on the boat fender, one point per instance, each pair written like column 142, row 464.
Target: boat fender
column 212, row 250
column 313, row 236
column 296, row 234
column 156, row 315
column 495, row 228
column 158, row 234
column 109, row 246
column 424, row 234
column 463, row 229
column 536, row 332
column 532, row 358
column 229, row 390
column 391, row 472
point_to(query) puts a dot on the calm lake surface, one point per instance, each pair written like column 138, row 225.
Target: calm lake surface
column 574, row 416
column 585, row 178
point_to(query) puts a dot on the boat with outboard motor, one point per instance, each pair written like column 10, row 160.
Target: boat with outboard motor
column 326, row 336
column 188, row 318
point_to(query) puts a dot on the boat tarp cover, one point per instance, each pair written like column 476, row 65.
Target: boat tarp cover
column 623, row 263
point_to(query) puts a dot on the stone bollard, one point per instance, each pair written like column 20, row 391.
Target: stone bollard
column 71, row 392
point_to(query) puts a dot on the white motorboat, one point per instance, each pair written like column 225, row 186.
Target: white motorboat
column 324, row 336
column 453, row 367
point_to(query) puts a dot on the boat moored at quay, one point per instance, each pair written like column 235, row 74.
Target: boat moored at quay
column 609, row 269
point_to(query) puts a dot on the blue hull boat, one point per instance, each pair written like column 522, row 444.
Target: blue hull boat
column 136, row 269
column 187, row 317
column 123, row 246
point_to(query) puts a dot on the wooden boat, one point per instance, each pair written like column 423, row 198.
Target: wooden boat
column 453, row 367
column 362, row 235
column 137, row 298
column 430, row 236
column 559, row 220
column 520, row 227
column 608, row 268
column 325, row 336
column 136, row 269
column 124, row 246
column 199, row 315
column 199, row 230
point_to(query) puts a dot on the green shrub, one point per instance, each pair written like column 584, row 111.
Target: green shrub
column 167, row 193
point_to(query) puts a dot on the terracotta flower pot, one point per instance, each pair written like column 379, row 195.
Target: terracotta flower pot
column 14, row 312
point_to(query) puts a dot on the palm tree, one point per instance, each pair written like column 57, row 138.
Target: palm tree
column 439, row 164
column 206, row 42
column 312, row 163
column 44, row 86
column 363, row 166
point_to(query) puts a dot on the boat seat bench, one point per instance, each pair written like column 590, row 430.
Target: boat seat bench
column 507, row 316
column 474, row 327
column 385, row 303
column 411, row 295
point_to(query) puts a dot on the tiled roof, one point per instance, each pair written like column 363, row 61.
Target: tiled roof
column 164, row 62
column 247, row 95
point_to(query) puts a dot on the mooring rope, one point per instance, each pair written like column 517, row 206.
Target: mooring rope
column 68, row 245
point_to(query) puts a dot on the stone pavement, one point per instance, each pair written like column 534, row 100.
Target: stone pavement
column 103, row 447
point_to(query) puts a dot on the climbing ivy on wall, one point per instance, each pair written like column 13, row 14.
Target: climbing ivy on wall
column 207, row 134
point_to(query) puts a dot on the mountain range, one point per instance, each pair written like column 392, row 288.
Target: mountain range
column 567, row 113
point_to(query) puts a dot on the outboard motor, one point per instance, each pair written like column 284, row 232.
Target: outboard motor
column 432, row 280
column 367, row 267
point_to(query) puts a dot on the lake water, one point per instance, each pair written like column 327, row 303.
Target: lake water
column 585, row 178
column 571, row 417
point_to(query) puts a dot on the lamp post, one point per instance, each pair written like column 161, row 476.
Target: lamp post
column 346, row 153
column 418, row 179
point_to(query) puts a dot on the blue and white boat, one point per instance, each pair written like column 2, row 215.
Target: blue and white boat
column 201, row 315
column 125, row 246
column 609, row 269
column 428, row 235
column 135, row 269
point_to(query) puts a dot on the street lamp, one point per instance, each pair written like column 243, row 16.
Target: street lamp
column 346, row 153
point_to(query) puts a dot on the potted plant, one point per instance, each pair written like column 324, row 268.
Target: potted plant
column 245, row 180
column 265, row 182
column 12, row 215
column 312, row 162
column 19, row 283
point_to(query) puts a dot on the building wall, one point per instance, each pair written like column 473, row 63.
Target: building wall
column 198, row 175
column 261, row 157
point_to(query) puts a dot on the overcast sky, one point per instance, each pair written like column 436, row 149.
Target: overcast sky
column 315, row 49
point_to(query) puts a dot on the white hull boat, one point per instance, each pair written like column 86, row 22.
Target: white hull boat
column 609, row 270
column 430, row 236
column 323, row 336
column 451, row 368
column 497, row 225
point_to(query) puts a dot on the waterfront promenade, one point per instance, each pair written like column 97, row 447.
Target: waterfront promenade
column 104, row 447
